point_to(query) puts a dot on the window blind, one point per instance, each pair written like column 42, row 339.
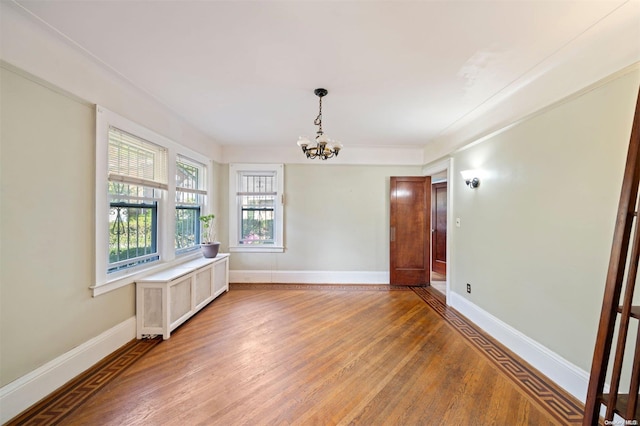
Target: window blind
column 136, row 161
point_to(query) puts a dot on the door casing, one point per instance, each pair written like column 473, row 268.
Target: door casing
column 439, row 228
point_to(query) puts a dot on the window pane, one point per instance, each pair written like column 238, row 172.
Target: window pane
column 132, row 234
column 257, row 219
column 122, row 192
column 187, row 174
column 190, row 201
column 187, row 228
column 186, row 198
column 256, row 214
column 258, row 183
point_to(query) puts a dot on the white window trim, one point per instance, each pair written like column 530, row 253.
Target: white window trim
column 203, row 184
column 234, row 208
column 104, row 282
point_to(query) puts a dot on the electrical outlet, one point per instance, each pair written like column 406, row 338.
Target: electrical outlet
column 468, row 288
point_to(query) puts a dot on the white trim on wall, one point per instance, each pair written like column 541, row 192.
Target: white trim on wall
column 437, row 166
column 25, row 391
column 309, row 277
column 570, row 377
column 569, row 98
column 32, row 45
column 350, row 155
column 445, row 164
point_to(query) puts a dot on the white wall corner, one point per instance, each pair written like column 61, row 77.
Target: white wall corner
column 570, row 377
column 25, row 391
column 309, row 277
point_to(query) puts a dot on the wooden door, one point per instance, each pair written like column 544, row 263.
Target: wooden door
column 439, row 228
column 410, row 230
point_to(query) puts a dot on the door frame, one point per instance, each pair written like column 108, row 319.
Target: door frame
column 436, row 187
column 429, row 170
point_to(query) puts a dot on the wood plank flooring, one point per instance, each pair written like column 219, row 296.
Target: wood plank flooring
column 323, row 355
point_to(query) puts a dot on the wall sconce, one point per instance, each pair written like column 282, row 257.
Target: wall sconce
column 470, row 178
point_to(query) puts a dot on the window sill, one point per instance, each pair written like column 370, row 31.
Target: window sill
column 130, row 278
column 262, row 249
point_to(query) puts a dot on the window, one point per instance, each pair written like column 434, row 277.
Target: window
column 256, row 217
column 190, row 201
column 144, row 220
column 137, row 176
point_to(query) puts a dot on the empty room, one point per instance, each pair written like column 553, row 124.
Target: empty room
column 319, row 212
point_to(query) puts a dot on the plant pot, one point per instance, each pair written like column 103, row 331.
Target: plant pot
column 210, row 250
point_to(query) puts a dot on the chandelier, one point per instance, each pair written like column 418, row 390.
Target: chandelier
column 324, row 147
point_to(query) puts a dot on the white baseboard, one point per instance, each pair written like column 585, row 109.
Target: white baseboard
column 570, row 377
column 20, row 394
column 310, row 277
column 25, row 391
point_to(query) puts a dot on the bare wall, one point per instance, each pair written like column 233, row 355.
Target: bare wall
column 46, row 228
column 336, row 219
column 535, row 237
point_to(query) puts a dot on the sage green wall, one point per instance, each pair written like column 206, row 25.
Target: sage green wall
column 336, row 219
column 47, row 158
column 219, row 207
column 535, row 237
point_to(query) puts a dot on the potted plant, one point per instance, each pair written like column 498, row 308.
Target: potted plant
column 209, row 244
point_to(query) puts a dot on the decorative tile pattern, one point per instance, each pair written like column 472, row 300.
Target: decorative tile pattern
column 548, row 395
column 63, row 401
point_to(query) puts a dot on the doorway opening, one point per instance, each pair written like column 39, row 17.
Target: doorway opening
column 440, row 223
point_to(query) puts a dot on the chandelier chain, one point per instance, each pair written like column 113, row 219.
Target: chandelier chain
column 318, row 120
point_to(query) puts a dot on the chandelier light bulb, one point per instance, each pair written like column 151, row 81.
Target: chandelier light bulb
column 303, row 141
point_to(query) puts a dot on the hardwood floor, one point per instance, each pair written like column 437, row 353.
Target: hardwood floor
column 323, row 355
column 438, row 277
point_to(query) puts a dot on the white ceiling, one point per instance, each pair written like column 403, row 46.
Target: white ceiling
column 399, row 73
